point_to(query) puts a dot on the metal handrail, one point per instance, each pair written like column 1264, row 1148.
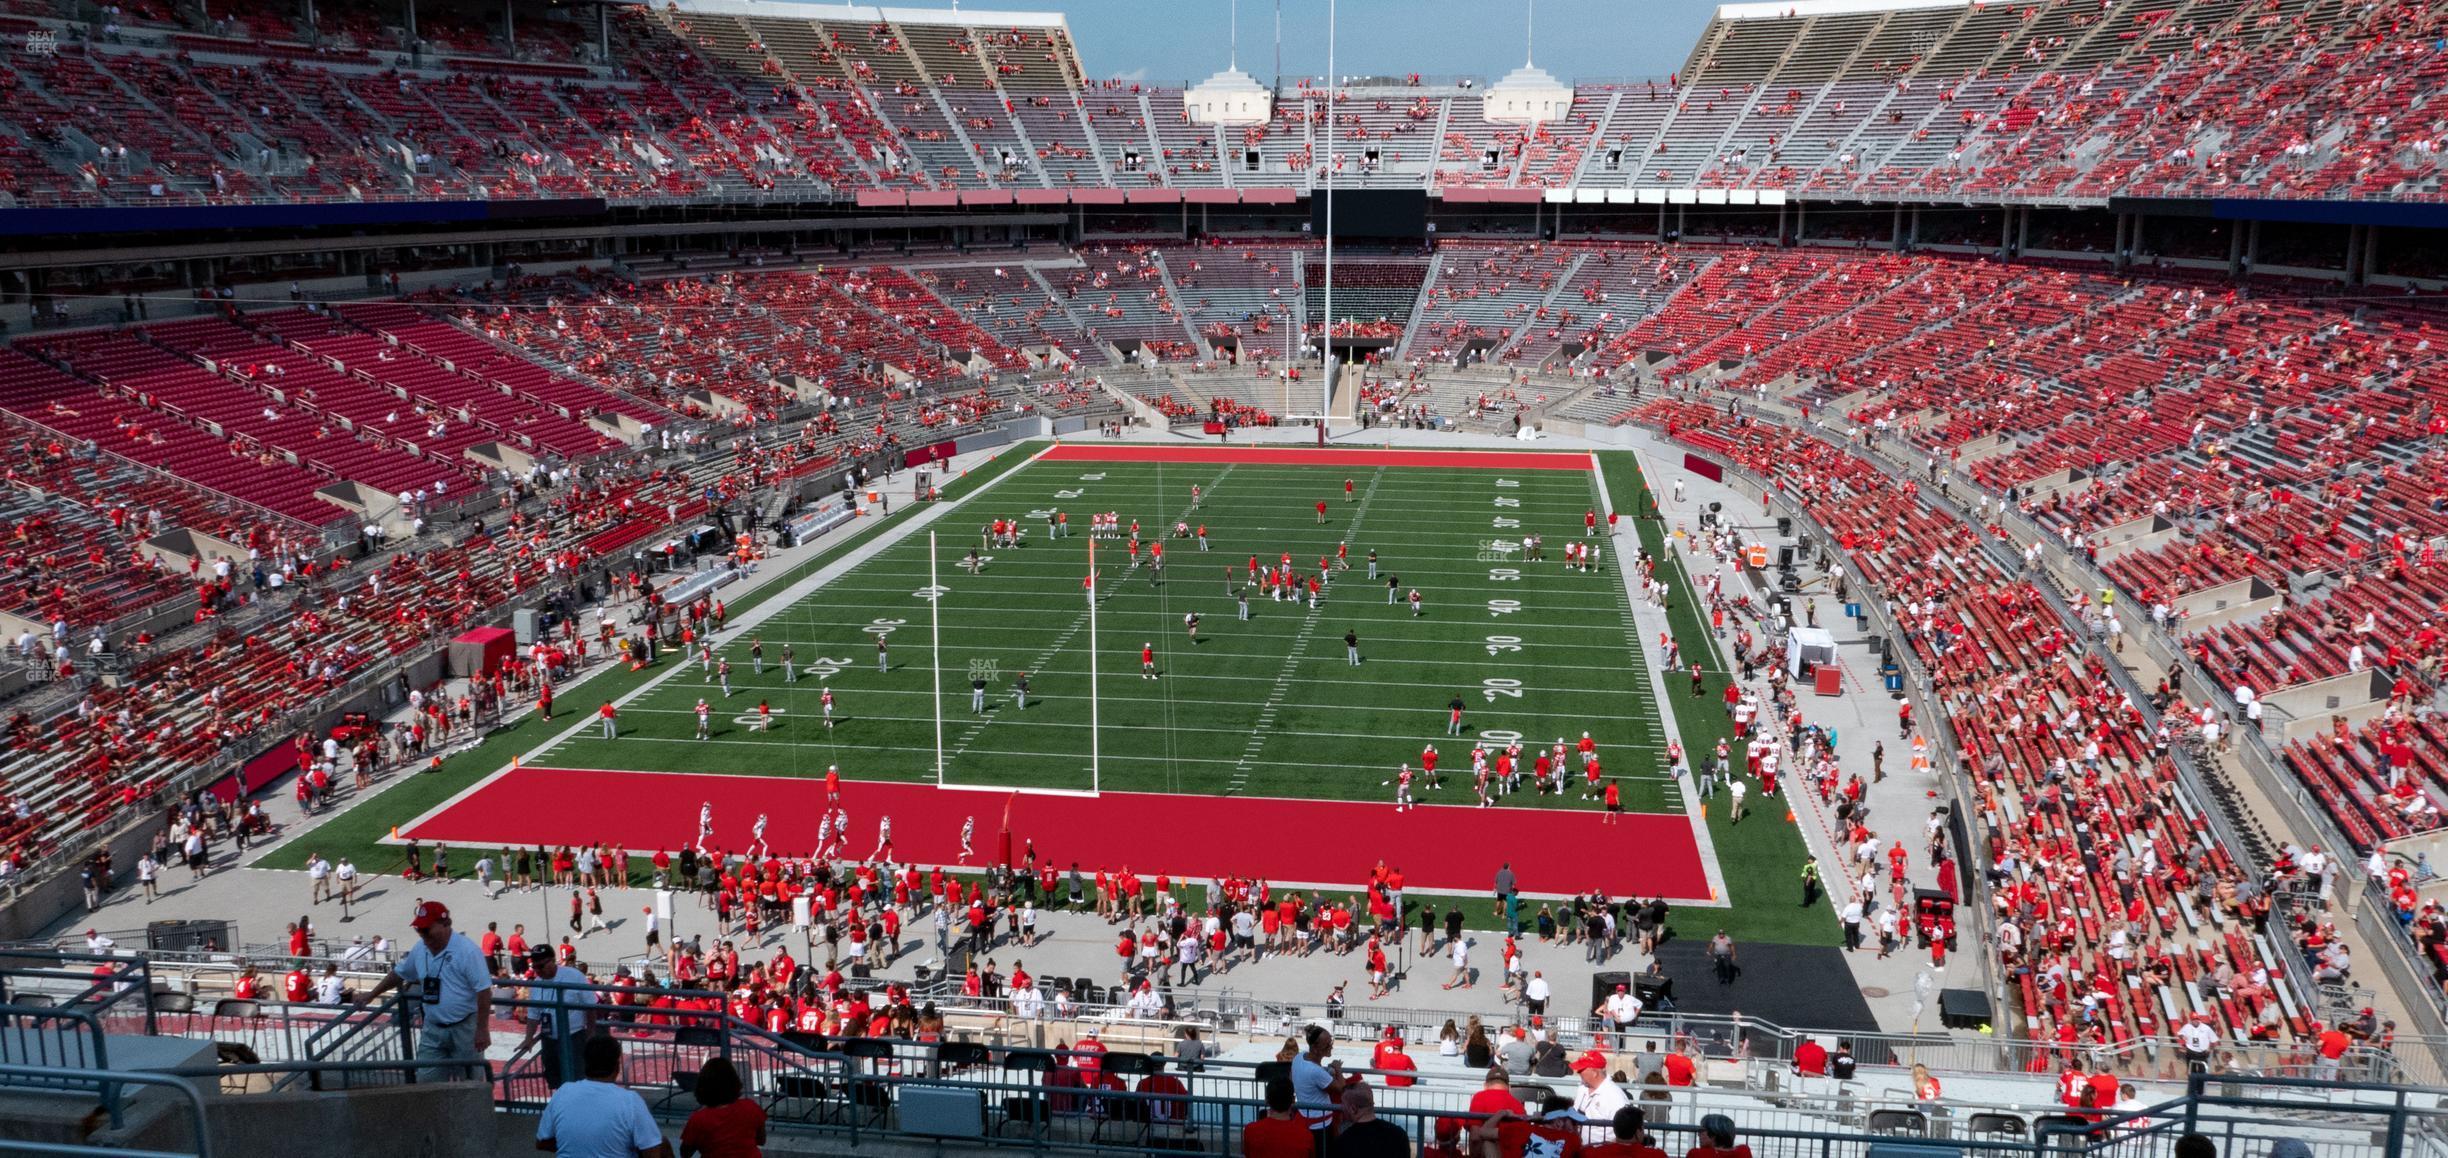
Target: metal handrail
column 106, row 1084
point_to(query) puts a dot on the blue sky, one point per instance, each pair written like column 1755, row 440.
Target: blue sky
column 1185, row 40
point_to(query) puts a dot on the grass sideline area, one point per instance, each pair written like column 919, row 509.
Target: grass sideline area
column 1761, row 857
column 364, row 821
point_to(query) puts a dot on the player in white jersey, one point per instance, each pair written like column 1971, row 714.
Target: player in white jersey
column 828, row 709
column 824, row 834
column 883, row 839
column 705, row 824
column 968, row 830
column 705, row 720
column 759, row 843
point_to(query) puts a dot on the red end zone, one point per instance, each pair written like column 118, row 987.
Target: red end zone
column 1320, row 456
column 1440, row 848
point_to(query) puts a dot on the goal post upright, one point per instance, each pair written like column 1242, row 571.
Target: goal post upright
column 1095, row 718
column 935, row 594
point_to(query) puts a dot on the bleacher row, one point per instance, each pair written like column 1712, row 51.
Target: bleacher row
column 185, row 704
column 2024, row 701
column 2285, row 439
column 2038, row 98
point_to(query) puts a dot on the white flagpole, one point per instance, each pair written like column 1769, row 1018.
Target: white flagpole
column 1326, row 379
column 1095, row 779
column 935, row 637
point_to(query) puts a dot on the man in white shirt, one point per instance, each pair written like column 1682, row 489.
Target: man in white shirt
column 1598, row 1098
column 1618, row 1012
column 454, row 990
column 1535, row 993
column 1027, row 1003
column 318, row 870
column 2195, row 1040
column 598, row 1117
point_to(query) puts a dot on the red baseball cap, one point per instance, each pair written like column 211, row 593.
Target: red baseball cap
column 429, row 914
column 1593, row 1060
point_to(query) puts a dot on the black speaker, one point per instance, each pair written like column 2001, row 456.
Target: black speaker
column 1963, row 1008
column 1602, row 986
column 1784, row 526
column 1657, row 993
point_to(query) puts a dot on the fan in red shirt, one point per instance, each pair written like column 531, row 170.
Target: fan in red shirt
column 1390, row 1056
column 1514, row 1135
column 1280, row 1133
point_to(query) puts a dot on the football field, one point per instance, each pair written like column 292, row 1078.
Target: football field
column 1261, row 711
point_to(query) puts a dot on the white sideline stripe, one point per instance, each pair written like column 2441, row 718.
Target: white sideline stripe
column 807, row 670
column 1447, row 688
column 772, row 605
column 1660, row 698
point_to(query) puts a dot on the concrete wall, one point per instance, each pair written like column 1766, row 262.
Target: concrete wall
column 2358, row 696
column 1986, row 446
column 2237, row 602
column 2148, row 533
column 442, row 1120
column 180, row 546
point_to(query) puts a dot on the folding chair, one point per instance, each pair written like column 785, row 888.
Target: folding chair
column 1029, row 1066
column 1912, row 1122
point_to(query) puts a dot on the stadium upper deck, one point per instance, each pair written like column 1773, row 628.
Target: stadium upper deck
column 2071, row 101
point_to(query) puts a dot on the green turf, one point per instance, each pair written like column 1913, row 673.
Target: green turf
column 401, row 797
column 1270, row 706
column 1204, row 726
column 1761, row 856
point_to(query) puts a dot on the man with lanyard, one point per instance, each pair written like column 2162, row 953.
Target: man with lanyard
column 1619, row 1011
column 1598, row 1098
column 561, row 1016
column 453, row 990
column 2195, row 1040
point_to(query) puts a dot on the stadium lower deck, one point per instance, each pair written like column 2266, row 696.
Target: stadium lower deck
column 2047, row 391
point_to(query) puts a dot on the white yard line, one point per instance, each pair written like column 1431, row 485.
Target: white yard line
column 773, row 605
column 1263, row 729
column 1100, row 593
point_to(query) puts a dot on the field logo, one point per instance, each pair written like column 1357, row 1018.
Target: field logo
column 983, row 669
column 1498, row 550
